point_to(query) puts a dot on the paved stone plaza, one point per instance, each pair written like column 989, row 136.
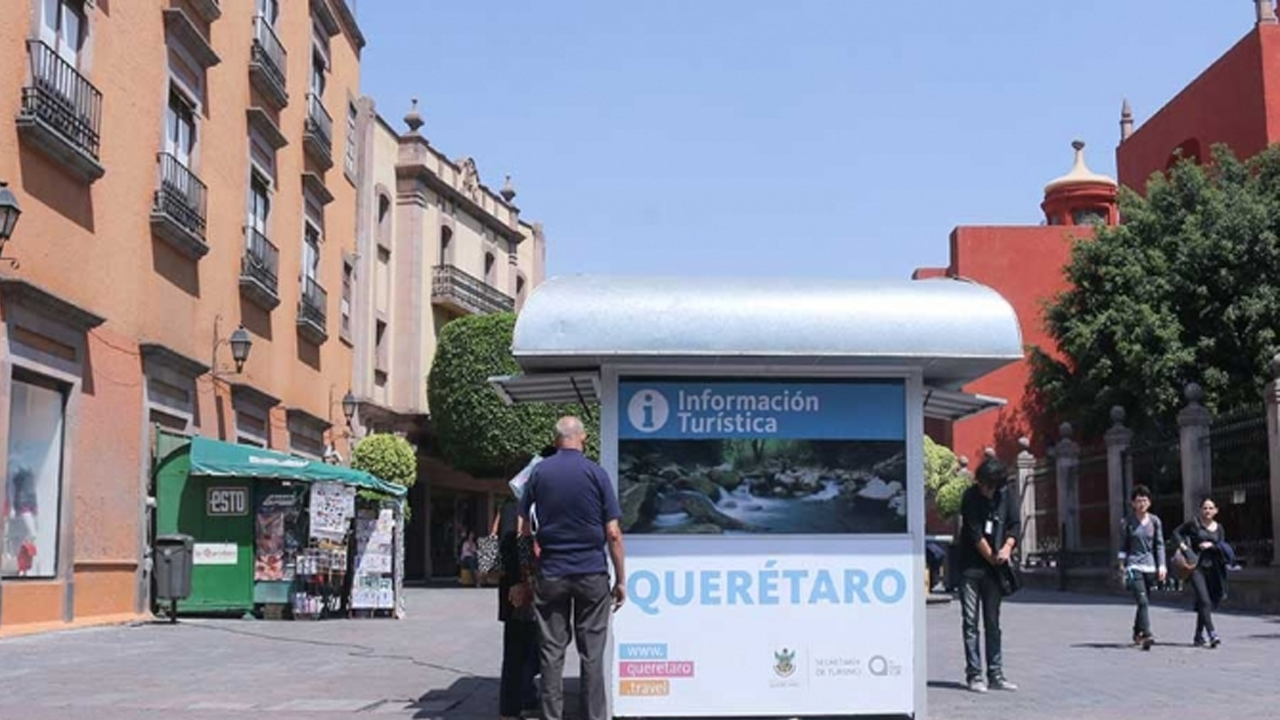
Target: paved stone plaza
column 1068, row 653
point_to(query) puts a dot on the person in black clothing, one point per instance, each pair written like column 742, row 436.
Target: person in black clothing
column 1203, row 543
column 517, row 690
column 991, row 525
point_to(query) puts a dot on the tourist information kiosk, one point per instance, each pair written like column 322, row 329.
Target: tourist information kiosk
column 766, row 439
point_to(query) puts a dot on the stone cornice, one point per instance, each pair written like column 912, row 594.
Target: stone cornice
column 18, row 291
column 176, row 361
column 419, row 172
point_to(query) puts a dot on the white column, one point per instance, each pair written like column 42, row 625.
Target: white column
column 1067, row 458
column 1029, row 541
column 1193, row 445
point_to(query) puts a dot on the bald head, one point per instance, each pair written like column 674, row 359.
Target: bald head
column 570, row 433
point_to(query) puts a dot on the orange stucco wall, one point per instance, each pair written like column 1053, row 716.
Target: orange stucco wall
column 91, row 244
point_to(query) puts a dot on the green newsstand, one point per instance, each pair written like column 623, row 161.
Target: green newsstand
column 212, row 490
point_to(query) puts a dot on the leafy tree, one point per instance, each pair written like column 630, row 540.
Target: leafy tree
column 942, row 477
column 473, row 429
column 1183, row 291
column 387, row 457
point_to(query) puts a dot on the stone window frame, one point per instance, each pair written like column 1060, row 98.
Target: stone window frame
column 256, row 405
column 303, row 426
column 163, row 366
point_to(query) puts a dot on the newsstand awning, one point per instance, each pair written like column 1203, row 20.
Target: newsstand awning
column 222, row 459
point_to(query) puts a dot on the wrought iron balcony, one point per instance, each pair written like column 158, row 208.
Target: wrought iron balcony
column 268, row 62
column 311, row 311
column 61, row 112
column 178, row 211
column 260, row 270
column 317, row 134
column 456, row 290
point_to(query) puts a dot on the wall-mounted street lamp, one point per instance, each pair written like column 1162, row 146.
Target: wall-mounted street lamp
column 240, row 341
column 9, row 212
column 349, row 407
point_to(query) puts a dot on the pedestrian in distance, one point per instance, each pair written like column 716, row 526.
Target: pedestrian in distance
column 1202, row 541
column 570, row 505
column 1142, row 560
column 991, row 524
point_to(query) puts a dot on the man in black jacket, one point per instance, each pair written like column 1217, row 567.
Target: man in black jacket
column 991, row 525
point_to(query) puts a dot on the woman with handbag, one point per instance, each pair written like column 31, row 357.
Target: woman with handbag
column 1200, row 541
column 1142, row 560
column 517, row 693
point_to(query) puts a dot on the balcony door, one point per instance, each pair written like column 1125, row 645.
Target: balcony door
column 269, row 9
column 62, row 28
column 180, row 129
column 311, row 254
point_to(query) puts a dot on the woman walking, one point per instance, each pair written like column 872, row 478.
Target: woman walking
column 1202, row 542
column 1142, row 560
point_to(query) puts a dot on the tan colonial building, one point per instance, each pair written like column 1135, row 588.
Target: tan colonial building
column 185, row 169
column 434, row 243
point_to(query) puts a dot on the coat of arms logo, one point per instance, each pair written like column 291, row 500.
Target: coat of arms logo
column 784, row 664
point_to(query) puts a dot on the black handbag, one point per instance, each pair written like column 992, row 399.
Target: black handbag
column 1009, row 578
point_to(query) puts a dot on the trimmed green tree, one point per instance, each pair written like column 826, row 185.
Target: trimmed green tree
column 387, row 457
column 943, row 480
column 472, row 429
column 1183, row 291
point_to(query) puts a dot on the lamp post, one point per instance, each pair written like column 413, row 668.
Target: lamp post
column 240, row 341
column 349, row 407
column 241, row 344
column 9, row 212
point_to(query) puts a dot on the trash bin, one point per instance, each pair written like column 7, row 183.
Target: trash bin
column 173, row 560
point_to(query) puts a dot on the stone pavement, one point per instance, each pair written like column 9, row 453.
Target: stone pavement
column 1068, row 652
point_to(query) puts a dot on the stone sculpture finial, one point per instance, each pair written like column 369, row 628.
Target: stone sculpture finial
column 1126, row 121
column 1266, row 12
column 413, row 119
column 508, row 191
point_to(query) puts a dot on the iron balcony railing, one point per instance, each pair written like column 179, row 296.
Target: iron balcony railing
column 268, row 51
column 261, row 260
column 180, row 194
column 450, row 284
column 62, row 98
column 319, row 123
column 314, row 300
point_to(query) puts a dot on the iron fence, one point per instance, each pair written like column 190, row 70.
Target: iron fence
column 1241, row 482
column 1157, row 463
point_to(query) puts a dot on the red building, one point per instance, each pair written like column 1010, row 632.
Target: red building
column 1235, row 101
column 1024, row 264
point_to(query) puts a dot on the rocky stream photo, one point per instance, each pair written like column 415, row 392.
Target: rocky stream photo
column 762, row 486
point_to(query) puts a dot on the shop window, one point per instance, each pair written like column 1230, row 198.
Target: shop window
column 33, row 478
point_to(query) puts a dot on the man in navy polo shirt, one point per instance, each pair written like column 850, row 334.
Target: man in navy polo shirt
column 572, row 509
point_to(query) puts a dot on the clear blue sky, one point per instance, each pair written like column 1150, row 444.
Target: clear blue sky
column 835, row 138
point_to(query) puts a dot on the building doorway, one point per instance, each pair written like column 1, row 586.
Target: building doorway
column 453, row 514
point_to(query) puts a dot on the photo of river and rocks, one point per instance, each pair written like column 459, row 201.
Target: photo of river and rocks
column 762, row 486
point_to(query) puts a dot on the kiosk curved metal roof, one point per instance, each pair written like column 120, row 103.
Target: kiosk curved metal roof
column 954, row 330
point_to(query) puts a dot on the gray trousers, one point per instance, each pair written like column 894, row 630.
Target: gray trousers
column 584, row 600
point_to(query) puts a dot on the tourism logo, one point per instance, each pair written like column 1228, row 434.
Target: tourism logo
column 648, row 411
column 784, row 665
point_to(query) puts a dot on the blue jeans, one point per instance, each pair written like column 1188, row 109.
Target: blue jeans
column 981, row 589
